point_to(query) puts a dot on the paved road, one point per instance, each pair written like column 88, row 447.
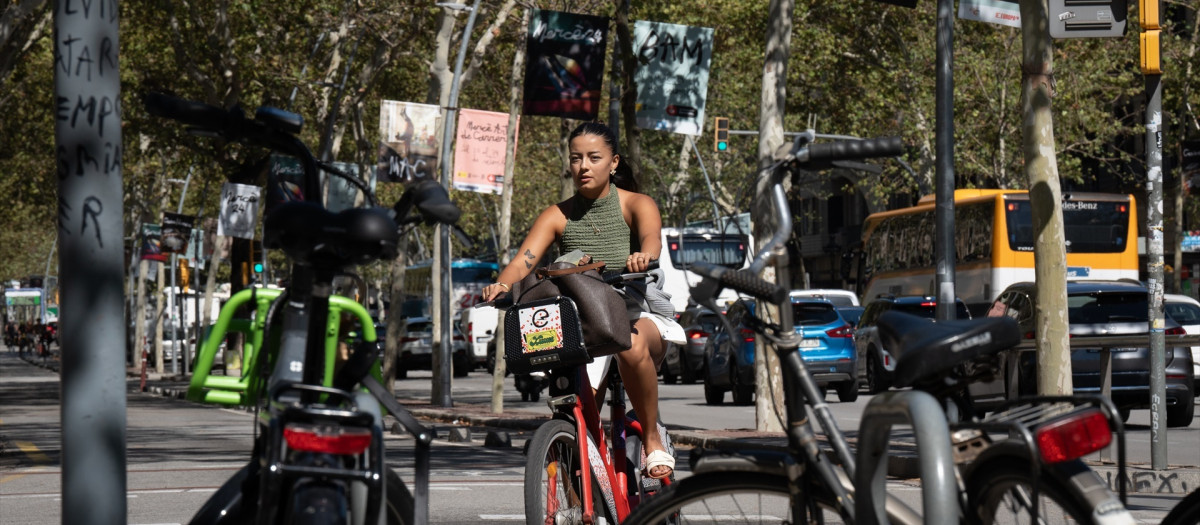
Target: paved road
column 179, row 452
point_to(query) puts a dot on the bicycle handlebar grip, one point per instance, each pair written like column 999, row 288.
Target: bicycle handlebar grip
column 189, row 112
column 856, row 149
column 741, row 281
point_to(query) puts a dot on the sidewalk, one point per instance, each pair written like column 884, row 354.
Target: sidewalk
column 902, row 459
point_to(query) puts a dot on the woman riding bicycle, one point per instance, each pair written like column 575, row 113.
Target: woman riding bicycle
column 610, row 221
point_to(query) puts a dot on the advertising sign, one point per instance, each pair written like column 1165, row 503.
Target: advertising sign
column 176, row 231
column 564, row 66
column 152, row 243
column 408, row 141
column 1002, row 12
column 239, row 210
column 479, row 151
column 671, row 75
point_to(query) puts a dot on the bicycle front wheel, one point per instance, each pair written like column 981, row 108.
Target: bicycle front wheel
column 1001, row 491
column 553, row 486
column 727, row 497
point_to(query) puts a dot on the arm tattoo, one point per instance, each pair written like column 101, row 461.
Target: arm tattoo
column 528, row 265
column 529, row 255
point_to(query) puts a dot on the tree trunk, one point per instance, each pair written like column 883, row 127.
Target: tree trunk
column 633, row 148
column 1045, row 196
column 768, row 379
column 515, row 89
column 139, row 312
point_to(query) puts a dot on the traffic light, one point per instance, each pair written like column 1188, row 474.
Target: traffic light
column 1151, row 45
column 721, row 134
column 256, row 256
column 184, row 274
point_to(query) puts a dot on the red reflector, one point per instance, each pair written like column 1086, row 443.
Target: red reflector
column 929, row 303
column 471, row 332
column 1178, row 330
column 1073, row 437
column 335, row 440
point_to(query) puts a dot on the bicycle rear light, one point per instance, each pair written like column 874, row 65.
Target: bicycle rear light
column 328, row 440
column 1074, row 436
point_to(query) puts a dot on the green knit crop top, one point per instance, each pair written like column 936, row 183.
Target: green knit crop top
column 597, row 227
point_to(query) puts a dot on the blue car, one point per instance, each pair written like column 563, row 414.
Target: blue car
column 827, row 349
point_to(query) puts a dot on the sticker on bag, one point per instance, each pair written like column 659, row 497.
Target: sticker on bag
column 541, row 328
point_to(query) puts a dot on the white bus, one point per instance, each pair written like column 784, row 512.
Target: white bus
column 687, row 245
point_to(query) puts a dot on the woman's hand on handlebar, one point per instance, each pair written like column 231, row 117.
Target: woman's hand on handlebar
column 494, row 290
column 639, row 262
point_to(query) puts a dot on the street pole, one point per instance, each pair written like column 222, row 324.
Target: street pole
column 443, row 298
column 1154, row 273
column 91, row 249
column 175, row 304
column 944, row 170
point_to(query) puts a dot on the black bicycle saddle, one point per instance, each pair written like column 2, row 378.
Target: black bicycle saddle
column 924, row 349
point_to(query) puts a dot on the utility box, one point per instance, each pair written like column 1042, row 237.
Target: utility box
column 1087, row 18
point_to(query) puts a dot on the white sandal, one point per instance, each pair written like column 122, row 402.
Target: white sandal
column 659, row 458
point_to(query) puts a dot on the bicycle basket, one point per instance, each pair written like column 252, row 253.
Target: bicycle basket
column 543, row 334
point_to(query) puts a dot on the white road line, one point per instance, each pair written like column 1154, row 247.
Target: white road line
column 502, row 517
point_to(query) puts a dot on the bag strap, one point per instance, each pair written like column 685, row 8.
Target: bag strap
column 545, row 272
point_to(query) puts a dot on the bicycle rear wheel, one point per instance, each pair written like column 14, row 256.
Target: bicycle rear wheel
column 727, row 497
column 1000, row 490
column 1186, row 512
column 398, row 503
column 553, row 487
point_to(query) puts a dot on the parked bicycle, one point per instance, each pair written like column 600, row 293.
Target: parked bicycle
column 319, row 452
column 1023, row 460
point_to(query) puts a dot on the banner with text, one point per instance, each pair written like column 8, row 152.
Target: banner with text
column 152, row 243
column 1002, row 12
column 408, row 141
column 564, row 66
column 176, row 232
column 671, row 75
column 480, row 149
column 239, row 210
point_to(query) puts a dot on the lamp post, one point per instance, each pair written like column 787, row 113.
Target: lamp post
column 174, row 290
column 443, row 249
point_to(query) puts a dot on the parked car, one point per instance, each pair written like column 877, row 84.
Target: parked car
column 1186, row 311
column 686, row 362
column 852, row 314
column 836, row 296
column 826, row 348
column 875, row 363
column 479, row 323
column 1097, row 308
column 416, row 348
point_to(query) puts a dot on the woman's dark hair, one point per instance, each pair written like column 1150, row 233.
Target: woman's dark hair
column 623, row 178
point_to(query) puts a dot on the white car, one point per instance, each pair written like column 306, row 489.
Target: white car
column 1186, row 311
column 836, row 296
column 479, row 325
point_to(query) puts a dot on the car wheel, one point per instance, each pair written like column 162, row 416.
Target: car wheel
column 491, row 357
column 1124, row 412
column 874, row 383
column 743, row 394
column 401, row 370
column 847, row 391
column 687, row 374
column 1182, row 413
column 667, row 376
column 461, row 367
column 713, row 395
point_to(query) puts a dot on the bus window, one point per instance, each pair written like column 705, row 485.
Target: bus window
column 725, row 250
column 1092, row 226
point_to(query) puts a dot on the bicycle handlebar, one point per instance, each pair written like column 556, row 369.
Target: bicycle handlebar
column 852, row 149
column 741, row 281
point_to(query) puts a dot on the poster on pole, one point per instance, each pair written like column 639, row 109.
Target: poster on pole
column 341, row 194
column 1002, row 12
column 152, row 243
column 564, row 65
column 239, row 210
column 285, row 181
column 408, row 141
column 176, row 232
column 480, row 149
column 671, row 75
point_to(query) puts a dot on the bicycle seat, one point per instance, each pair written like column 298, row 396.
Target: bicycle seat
column 926, row 349
column 310, row 234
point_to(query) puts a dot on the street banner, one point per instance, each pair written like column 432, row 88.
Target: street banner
column 152, row 243
column 340, row 194
column 479, row 151
column 671, row 75
column 408, row 141
column 176, row 231
column 1002, row 12
column 564, row 65
column 285, row 181
column 239, row 210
